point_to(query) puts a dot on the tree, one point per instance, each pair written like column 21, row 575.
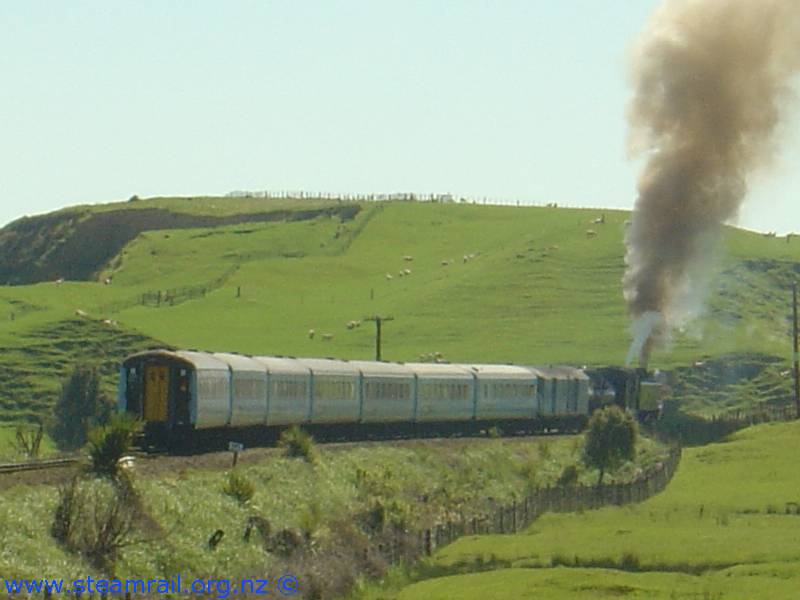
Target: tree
column 81, row 405
column 610, row 440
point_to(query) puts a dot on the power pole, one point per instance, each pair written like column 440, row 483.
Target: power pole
column 378, row 320
column 795, row 356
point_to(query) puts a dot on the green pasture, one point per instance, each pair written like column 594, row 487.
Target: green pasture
column 487, row 284
column 535, row 290
column 728, row 526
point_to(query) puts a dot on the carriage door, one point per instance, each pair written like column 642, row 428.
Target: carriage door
column 156, row 392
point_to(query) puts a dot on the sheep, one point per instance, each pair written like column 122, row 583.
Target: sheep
column 311, row 333
column 59, row 281
column 599, row 220
column 408, row 258
column 327, row 337
column 465, row 258
column 107, row 281
column 80, row 313
column 388, row 277
column 591, row 233
column 407, row 271
column 351, row 324
column 401, row 273
column 109, row 323
column 445, row 263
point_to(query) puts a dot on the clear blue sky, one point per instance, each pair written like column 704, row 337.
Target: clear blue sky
column 514, row 100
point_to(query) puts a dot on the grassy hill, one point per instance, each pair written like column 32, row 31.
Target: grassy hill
column 486, row 283
column 726, row 527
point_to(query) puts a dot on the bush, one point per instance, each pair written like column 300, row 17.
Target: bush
column 296, row 443
column 569, row 476
column 80, row 407
column 97, row 519
column 239, row 487
column 610, row 439
column 108, row 444
column 28, row 440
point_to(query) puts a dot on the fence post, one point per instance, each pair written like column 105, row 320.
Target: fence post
column 514, row 517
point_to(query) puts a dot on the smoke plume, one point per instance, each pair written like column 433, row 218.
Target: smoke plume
column 711, row 78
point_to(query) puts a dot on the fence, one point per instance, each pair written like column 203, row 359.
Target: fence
column 763, row 414
column 373, row 197
column 170, row 297
column 408, row 546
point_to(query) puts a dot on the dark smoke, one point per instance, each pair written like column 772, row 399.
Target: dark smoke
column 710, row 80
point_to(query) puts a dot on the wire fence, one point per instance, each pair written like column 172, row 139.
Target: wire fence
column 170, row 297
column 408, row 546
column 382, row 197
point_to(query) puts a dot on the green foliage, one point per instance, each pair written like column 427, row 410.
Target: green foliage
column 109, row 443
column 80, row 407
column 610, row 439
column 297, row 443
column 239, row 487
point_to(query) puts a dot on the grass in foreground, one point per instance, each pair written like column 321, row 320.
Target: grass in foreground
column 413, row 486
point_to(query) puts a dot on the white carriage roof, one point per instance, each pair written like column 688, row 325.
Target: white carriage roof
column 283, row 366
column 239, row 362
column 501, row 372
column 559, row 372
column 440, row 371
column 382, row 369
column 329, row 366
column 202, row 361
column 199, row 360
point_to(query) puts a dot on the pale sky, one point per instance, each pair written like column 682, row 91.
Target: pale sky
column 518, row 99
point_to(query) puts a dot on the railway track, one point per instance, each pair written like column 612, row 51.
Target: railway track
column 37, row 465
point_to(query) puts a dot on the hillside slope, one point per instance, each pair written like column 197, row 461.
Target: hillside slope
column 75, row 243
column 486, row 284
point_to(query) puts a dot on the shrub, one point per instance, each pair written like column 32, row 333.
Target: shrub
column 569, row 476
column 108, row 444
column 80, row 407
column 28, row 440
column 610, row 439
column 97, row 519
column 239, row 487
column 296, row 443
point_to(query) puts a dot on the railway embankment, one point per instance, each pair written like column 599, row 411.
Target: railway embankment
column 348, row 513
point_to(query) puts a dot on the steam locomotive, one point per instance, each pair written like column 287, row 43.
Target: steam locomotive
column 196, row 399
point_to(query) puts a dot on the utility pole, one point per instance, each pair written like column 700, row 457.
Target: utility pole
column 795, row 356
column 378, row 320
